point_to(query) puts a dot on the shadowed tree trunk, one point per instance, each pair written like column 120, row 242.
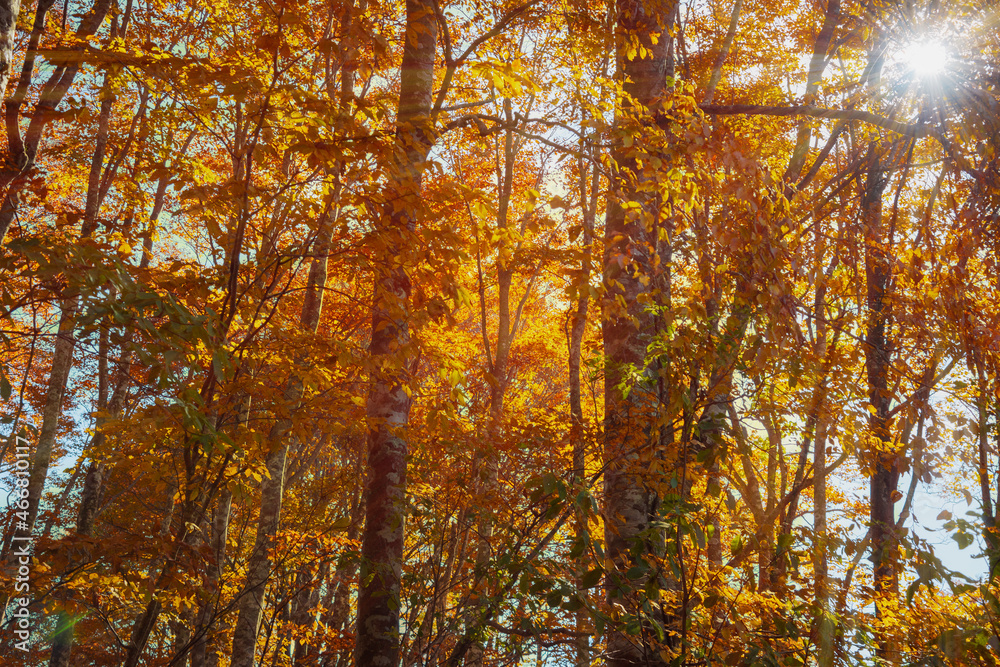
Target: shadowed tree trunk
column 817, row 65
column 272, row 488
column 259, row 568
column 628, row 264
column 991, row 543
column 62, row 363
column 883, row 459
column 486, row 462
column 15, row 157
column 825, row 626
column 337, row 605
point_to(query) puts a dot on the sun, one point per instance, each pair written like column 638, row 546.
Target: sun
column 925, row 58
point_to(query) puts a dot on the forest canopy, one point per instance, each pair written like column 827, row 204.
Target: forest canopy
column 500, row 332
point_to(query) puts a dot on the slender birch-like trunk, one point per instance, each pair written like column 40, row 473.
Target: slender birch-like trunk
column 486, row 463
column 825, row 625
column 272, row 488
column 62, row 642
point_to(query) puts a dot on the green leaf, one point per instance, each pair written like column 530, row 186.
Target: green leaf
column 592, row 578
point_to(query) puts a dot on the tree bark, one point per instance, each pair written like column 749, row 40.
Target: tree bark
column 259, row 567
column 817, row 65
column 377, row 639
column 62, row 363
column 720, row 59
column 486, row 464
column 302, row 616
column 883, row 459
column 9, row 9
column 337, row 601
column 628, row 262
column 992, row 544
column 825, row 624
column 12, row 109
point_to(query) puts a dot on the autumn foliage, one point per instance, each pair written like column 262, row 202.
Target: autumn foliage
column 644, row 332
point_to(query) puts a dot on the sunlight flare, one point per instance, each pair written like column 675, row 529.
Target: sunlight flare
column 925, row 58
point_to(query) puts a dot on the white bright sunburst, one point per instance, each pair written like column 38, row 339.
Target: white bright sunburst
column 925, row 58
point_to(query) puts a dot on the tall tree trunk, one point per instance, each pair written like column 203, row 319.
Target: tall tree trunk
column 883, row 459
column 992, row 544
column 825, row 625
column 577, row 436
column 62, row 363
column 337, row 605
column 62, row 642
column 251, row 603
column 181, row 627
column 273, row 486
column 205, row 650
column 12, row 109
column 64, row 495
column 303, row 615
column 486, row 463
column 724, row 49
column 817, row 65
column 62, row 358
column 377, row 638
column 145, row 623
column 628, row 262
column 94, row 482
